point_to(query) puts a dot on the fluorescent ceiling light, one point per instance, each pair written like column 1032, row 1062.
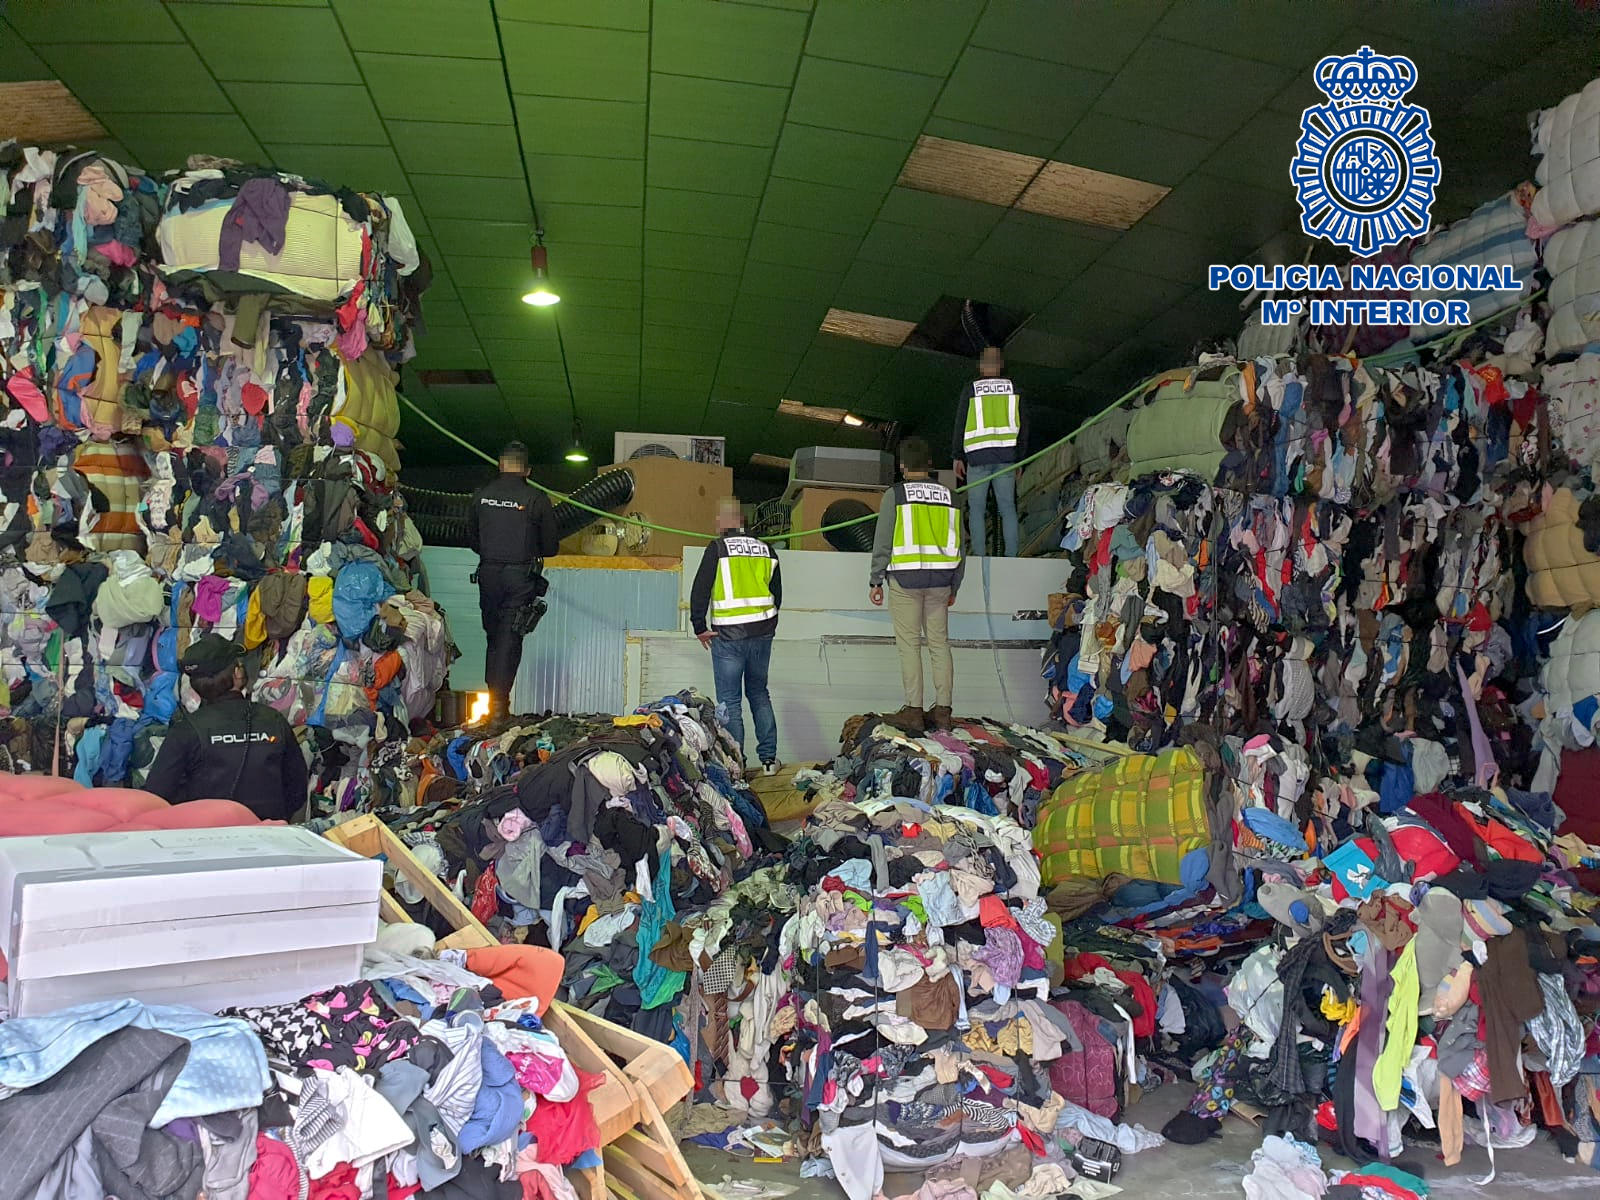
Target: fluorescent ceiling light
column 865, row 327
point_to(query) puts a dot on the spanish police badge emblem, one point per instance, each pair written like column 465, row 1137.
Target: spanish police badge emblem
column 1364, row 168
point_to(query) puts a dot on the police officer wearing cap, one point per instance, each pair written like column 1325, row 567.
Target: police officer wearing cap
column 513, row 528
column 230, row 748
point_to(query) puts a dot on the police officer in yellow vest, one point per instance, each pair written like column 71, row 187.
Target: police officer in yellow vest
column 991, row 430
column 733, row 608
column 917, row 548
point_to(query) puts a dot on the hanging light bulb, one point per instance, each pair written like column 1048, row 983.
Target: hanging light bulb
column 541, row 296
column 576, row 454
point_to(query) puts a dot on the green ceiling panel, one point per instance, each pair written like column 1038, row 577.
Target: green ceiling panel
column 368, row 168
column 1237, row 217
column 516, row 323
column 97, row 73
column 1148, row 152
column 582, row 290
column 567, row 60
column 888, row 242
column 725, row 41
column 1167, row 253
column 471, row 272
column 1151, row 89
column 578, row 180
column 700, row 339
column 949, row 214
column 607, row 341
column 778, row 314
column 1101, row 32
column 597, row 363
column 908, row 35
column 445, row 340
column 517, row 351
column 837, row 95
column 760, row 359
column 594, row 319
column 18, row 62
column 1008, row 91
column 835, row 156
column 1120, row 290
column 463, row 196
column 789, row 341
column 441, row 313
column 1004, row 285
column 46, row 21
column 783, row 281
column 675, row 211
column 487, row 239
column 411, row 87
column 298, row 113
column 707, row 166
column 1033, row 243
column 150, row 135
column 597, row 128
column 1035, row 144
column 700, row 286
column 819, row 206
column 1284, row 32
column 693, row 252
column 608, row 14
column 690, row 363
column 601, row 224
column 594, row 260
column 306, row 46
column 772, row 242
column 462, row 29
column 665, row 310
column 902, row 292
column 742, row 113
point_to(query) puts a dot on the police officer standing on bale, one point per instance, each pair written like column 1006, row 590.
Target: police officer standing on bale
column 230, row 748
column 513, row 528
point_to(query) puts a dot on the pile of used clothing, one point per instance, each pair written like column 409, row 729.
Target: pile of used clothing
column 940, row 1031
column 430, row 1073
column 194, row 441
column 626, row 842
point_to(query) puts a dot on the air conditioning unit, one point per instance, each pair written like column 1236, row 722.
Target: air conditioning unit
column 689, row 447
column 834, row 466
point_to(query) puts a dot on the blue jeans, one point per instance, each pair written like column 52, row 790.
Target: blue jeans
column 1005, row 499
column 742, row 664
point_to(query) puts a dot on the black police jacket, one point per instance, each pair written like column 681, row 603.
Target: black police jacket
column 511, row 522
column 204, row 750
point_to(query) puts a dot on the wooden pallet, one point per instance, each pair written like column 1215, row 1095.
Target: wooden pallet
column 642, row 1077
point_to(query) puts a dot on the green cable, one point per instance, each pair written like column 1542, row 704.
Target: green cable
column 777, row 537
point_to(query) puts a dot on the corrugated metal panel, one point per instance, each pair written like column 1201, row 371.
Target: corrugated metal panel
column 574, row 661
column 449, row 583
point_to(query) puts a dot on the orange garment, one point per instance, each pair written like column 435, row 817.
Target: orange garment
column 383, row 671
column 1501, row 840
column 519, row 971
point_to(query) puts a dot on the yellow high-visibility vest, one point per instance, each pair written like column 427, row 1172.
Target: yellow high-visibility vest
column 742, row 592
column 994, row 418
column 927, row 529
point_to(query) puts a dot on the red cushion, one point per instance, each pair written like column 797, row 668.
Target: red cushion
column 26, row 787
column 35, row 818
column 196, row 814
column 120, row 804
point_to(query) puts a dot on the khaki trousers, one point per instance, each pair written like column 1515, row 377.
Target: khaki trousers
column 917, row 612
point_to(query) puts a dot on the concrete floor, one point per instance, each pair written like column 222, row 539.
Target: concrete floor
column 1215, row 1170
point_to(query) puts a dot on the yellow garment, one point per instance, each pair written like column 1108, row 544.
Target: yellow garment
column 1336, row 1011
column 319, row 597
column 255, row 624
column 649, row 719
column 1400, row 1029
column 589, row 918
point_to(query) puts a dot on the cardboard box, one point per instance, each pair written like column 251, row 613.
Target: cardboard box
column 207, row 917
column 813, row 502
column 669, row 491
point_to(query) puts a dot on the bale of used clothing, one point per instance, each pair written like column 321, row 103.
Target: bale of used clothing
column 199, row 421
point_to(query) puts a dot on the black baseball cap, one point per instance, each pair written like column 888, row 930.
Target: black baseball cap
column 210, row 655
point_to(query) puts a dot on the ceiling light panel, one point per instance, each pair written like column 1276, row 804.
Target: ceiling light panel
column 1093, row 197
column 43, row 110
column 865, row 327
column 970, row 172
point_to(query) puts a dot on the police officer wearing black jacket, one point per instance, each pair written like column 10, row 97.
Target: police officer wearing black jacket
column 230, row 748
column 513, row 528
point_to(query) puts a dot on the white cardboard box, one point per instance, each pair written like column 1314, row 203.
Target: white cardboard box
column 206, row 917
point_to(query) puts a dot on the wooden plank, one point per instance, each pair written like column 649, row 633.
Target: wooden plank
column 656, row 1129
column 389, row 910
column 371, row 838
column 654, row 1156
column 589, row 1183
column 640, row 1178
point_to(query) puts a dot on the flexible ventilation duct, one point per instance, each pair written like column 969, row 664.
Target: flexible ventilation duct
column 611, row 490
column 854, row 538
